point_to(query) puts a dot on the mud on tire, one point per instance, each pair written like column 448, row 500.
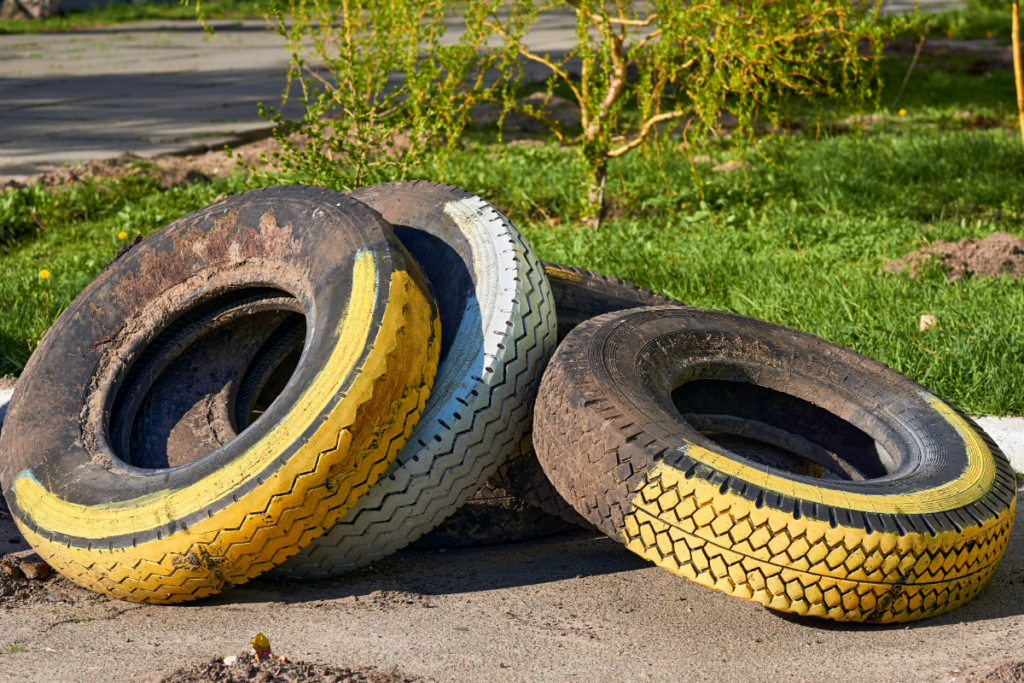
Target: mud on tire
column 178, row 525
column 579, row 296
column 671, row 430
column 498, row 322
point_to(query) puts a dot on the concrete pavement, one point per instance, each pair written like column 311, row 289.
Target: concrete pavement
column 575, row 607
column 163, row 87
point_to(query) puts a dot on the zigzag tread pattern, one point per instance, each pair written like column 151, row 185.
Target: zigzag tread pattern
column 846, row 576
column 491, row 422
column 522, row 476
column 289, row 519
column 699, row 530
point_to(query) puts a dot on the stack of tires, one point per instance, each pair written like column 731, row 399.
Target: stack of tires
column 298, row 382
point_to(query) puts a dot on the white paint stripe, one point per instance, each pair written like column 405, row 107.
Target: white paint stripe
column 5, row 398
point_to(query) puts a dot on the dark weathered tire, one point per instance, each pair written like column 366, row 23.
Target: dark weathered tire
column 498, row 322
column 493, row 516
column 630, row 424
column 579, row 296
column 584, row 294
column 88, row 491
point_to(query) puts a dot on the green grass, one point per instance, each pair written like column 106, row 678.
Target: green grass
column 124, row 12
column 799, row 240
column 980, row 19
column 80, row 234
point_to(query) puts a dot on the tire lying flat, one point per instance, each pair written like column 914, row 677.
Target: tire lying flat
column 179, row 530
column 911, row 522
column 579, row 296
column 499, row 328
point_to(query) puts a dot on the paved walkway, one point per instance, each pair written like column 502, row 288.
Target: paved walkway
column 573, row 608
column 160, row 87
column 151, row 89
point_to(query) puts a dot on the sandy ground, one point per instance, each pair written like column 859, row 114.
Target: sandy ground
column 575, row 607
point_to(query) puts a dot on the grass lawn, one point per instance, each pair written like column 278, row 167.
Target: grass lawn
column 124, row 12
column 798, row 238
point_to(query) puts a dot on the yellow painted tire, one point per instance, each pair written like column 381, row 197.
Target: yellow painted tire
column 773, row 466
column 176, row 533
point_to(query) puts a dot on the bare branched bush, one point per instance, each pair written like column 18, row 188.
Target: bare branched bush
column 642, row 70
column 382, row 88
column 386, row 88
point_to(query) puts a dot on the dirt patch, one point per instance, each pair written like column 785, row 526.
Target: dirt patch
column 1011, row 672
column 8, row 382
column 998, row 254
column 245, row 669
column 171, row 170
column 18, row 591
column 386, row 599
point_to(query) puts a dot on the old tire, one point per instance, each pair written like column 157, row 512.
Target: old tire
column 584, row 294
column 920, row 534
column 579, row 296
column 498, row 323
column 180, row 531
column 492, row 516
column 496, row 514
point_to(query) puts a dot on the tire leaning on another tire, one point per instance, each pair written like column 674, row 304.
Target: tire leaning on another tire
column 518, row 502
column 499, row 328
column 911, row 522
column 175, row 531
column 579, row 296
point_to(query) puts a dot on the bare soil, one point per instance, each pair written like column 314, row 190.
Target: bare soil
column 172, row 170
column 998, row 254
column 1011, row 672
column 246, row 669
column 17, row 591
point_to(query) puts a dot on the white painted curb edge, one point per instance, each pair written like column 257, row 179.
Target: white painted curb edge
column 1008, row 432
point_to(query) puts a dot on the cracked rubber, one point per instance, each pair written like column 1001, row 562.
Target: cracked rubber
column 579, row 296
column 498, row 331
column 171, row 533
column 912, row 523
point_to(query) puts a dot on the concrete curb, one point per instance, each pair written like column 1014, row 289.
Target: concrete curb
column 1008, row 432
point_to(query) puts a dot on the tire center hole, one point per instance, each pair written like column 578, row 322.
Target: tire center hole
column 775, row 429
column 206, row 377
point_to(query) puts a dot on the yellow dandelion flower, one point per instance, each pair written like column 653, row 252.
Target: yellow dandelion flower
column 903, row 112
column 43, row 274
column 121, row 235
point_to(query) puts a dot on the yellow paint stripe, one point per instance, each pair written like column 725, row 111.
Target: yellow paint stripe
column 973, row 483
column 54, row 514
column 561, row 275
column 803, row 565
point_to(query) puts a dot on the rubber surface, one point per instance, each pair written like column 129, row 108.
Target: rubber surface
column 584, row 294
column 492, row 516
column 919, row 534
column 499, row 328
column 171, row 534
column 579, row 296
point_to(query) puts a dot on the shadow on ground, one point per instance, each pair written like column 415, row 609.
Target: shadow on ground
column 450, row 572
column 582, row 553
